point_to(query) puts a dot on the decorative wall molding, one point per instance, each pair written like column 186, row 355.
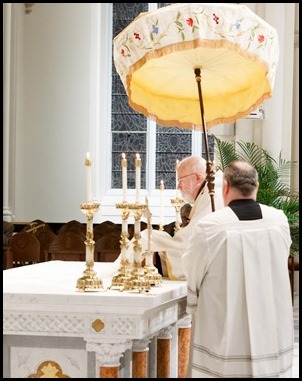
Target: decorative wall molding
column 36, row 323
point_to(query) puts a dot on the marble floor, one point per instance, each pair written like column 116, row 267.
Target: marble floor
column 296, row 344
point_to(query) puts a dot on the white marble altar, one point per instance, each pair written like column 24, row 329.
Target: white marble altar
column 51, row 328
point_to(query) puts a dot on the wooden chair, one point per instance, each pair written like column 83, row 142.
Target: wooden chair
column 107, row 248
column 24, row 249
column 36, row 225
column 45, row 237
column 105, row 228
column 170, row 228
column 74, row 226
column 8, row 230
column 67, row 246
column 7, row 257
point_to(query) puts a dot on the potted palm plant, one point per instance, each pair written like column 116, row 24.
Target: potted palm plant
column 274, row 189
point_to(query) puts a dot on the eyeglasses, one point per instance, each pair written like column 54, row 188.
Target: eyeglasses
column 183, row 177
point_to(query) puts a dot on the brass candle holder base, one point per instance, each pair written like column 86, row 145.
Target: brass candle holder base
column 119, row 280
column 137, row 281
column 89, row 281
column 152, row 276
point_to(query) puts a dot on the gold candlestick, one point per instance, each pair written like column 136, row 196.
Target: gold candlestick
column 151, row 272
column 89, row 281
column 137, row 280
column 177, row 203
column 118, row 280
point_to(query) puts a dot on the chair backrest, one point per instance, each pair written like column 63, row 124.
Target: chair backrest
column 105, row 228
column 107, row 248
column 67, row 246
column 25, row 249
column 170, row 228
column 45, row 237
column 36, row 225
column 74, row 226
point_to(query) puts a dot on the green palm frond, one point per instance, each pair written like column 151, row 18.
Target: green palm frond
column 225, row 151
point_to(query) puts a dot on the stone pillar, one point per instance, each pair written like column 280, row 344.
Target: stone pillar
column 140, row 358
column 164, row 353
column 108, row 357
column 152, row 358
column 7, row 18
column 184, row 338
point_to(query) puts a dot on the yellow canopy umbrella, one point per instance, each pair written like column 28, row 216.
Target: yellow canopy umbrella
column 227, row 48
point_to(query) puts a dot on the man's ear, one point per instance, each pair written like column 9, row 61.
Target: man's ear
column 225, row 187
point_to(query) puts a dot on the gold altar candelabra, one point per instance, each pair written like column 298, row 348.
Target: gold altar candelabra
column 151, row 272
column 89, row 281
column 131, row 274
column 136, row 280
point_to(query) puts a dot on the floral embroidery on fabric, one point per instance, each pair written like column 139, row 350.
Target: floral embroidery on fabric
column 193, row 24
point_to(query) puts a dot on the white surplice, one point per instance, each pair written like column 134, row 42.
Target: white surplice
column 171, row 248
column 239, row 293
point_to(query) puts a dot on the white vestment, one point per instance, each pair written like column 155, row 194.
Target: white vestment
column 171, row 248
column 239, row 293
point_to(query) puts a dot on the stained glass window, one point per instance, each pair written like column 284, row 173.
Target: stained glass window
column 129, row 129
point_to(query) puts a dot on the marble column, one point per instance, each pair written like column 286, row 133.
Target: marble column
column 7, row 37
column 164, row 353
column 140, row 358
column 184, row 338
column 152, row 366
column 108, row 357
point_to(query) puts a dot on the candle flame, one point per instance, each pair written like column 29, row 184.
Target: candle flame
column 138, row 156
column 87, row 161
column 123, row 156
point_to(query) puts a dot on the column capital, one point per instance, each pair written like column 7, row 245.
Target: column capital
column 165, row 333
column 108, row 355
column 185, row 322
column 141, row 345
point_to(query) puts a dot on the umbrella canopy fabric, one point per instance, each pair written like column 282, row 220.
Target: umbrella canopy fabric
column 237, row 53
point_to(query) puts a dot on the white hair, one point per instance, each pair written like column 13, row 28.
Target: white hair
column 195, row 163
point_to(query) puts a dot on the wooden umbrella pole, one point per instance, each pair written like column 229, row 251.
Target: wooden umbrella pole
column 210, row 177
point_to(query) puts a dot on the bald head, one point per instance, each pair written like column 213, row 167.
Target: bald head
column 192, row 164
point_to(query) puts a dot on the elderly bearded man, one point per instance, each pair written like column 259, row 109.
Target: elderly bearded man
column 191, row 174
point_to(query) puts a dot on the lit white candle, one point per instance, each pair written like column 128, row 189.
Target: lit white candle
column 176, row 177
column 88, row 178
column 138, row 164
column 161, row 215
column 124, row 171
